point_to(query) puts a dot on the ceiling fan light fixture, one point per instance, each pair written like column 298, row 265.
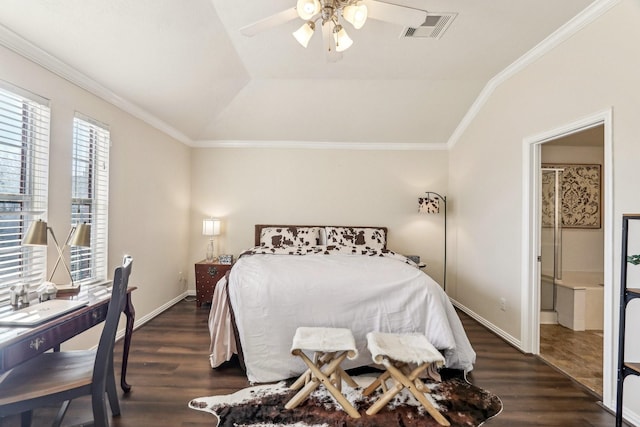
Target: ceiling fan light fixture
column 304, row 33
column 308, row 8
column 356, row 15
column 341, row 38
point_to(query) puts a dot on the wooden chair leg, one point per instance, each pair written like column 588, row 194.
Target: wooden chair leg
column 99, row 407
column 25, row 418
column 57, row 422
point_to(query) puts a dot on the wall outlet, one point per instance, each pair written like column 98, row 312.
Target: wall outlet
column 182, row 281
column 503, row 304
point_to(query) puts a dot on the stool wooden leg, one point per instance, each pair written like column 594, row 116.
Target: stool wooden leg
column 379, row 382
column 321, row 375
column 384, row 399
column 347, row 379
column 320, row 359
column 413, row 375
column 402, row 379
column 302, row 394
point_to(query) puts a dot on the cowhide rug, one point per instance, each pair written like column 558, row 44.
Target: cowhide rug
column 461, row 403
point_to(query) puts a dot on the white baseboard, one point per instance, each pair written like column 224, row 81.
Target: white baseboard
column 629, row 416
column 144, row 319
column 493, row 328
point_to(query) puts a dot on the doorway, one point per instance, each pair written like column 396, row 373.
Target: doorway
column 571, row 270
column 532, row 147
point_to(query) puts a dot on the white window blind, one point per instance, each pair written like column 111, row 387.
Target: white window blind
column 24, row 176
column 90, row 197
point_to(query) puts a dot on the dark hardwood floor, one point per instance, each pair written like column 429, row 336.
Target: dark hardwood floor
column 169, row 366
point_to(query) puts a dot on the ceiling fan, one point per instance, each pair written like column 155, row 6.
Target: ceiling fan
column 331, row 15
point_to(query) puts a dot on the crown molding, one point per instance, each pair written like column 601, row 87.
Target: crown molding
column 577, row 23
column 28, row 50
column 319, row 145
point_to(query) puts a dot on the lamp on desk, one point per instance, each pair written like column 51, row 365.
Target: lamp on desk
column 79, row 235
column 431, row 205
column 211, row 228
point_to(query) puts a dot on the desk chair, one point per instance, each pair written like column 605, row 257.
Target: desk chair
column 59, row 377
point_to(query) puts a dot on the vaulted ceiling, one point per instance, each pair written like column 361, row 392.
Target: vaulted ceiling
column 187, row 66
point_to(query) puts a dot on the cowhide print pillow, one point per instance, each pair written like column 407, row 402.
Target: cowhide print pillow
column 290, row 236
column 372, row 238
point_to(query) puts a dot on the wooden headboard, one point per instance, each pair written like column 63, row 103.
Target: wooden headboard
column 259, row 227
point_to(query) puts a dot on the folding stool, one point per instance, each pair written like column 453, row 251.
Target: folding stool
column 330, row 346
column 396, row 352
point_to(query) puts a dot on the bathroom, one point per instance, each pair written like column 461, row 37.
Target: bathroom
column 572, row 256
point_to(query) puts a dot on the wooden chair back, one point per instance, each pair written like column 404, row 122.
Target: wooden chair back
column 104, row 354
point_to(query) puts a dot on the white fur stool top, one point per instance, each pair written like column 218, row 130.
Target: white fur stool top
column 408, row 348
column 325, row 340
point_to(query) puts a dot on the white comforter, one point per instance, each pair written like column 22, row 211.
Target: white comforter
column 272, row 295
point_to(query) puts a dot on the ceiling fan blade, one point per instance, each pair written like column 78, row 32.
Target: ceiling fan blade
column 270, row 22
column 401, row 15
column 329, row 44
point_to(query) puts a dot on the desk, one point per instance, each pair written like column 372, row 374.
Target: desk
column 19, row 344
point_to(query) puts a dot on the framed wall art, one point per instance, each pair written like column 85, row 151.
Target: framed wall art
column 580, row 190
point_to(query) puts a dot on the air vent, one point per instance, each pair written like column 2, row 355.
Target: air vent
column 433, row 27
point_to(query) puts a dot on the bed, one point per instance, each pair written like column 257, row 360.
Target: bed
column 327, row 276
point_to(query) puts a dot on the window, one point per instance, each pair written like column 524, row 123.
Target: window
column 90, row 196
column 24, row 175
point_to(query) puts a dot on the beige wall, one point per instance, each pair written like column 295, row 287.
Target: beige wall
column 149, row 186
column 594, row 70
column 244, row 187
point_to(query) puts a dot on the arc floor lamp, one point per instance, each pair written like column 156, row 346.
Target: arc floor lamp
column 431, row 205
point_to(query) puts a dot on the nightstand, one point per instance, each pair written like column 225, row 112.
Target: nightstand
column 207, row 275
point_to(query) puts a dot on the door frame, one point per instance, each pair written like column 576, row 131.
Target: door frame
column 530, row 320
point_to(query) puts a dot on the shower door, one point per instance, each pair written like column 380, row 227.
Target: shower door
column 550, row 237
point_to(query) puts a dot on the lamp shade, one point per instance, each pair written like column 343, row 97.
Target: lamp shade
column 307, row 8
column 36, row 234
column 356, row 15
column 429, row 204
column 342, row 39
column 211, row 227
column 81, row 236
column 304, row 33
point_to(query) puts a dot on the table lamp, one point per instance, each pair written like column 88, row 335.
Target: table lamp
column 79, row 235
column 210, row 227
